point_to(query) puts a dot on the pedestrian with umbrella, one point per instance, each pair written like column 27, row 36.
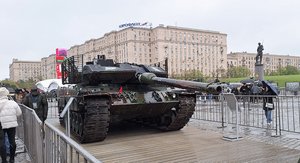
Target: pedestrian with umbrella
column 268, row 90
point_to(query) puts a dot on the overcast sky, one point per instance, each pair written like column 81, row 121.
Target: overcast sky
column 32, row 29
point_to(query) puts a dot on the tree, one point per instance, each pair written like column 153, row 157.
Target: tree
column 10, row 83
column 288, row 70
column 26, row 84
column 190, row 75
column 237, row 72
column 194, row 75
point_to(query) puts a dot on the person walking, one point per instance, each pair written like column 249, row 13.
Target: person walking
column 9, row 110
column 38, row 102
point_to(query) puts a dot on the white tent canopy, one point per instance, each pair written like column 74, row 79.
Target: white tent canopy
column 44, row 85
column 55, row 85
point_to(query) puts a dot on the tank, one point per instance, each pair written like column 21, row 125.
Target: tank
column 106, row 93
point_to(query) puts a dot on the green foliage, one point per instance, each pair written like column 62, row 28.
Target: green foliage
column 20, row 84
column 191, row 75
column 194, row 75
column 28, row 84
column 280, row 79
column 10, row 83
column 236, row 72
column 288, row 70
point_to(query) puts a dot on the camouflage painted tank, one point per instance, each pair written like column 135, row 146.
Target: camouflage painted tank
column 106, row 92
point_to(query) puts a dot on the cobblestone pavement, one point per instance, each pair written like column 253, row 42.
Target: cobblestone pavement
column 269, row 136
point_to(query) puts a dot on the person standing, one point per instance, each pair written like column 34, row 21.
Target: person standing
column 268, row 105
column 245, row 91
column 255, row 90
column 9, row 110
column 38, row 102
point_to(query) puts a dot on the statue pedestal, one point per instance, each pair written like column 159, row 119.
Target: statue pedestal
column 259, row 71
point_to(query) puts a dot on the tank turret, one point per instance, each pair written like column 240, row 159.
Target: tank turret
column 106, row 92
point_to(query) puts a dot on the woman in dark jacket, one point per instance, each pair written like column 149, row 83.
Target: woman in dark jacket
column 268, row 105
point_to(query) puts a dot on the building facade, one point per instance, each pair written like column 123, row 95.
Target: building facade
column 35, row 70
column 271, row 62
column 48, row 67
column 186, row 49
column 25, row 70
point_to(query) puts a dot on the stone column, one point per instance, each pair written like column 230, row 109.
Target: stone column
column 259, row 71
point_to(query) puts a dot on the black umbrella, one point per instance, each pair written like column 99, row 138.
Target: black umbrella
column 270, row 86
column 247, row 81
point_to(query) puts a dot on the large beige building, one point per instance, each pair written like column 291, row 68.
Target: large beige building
column 35, row 70
column 271, row 62
column 25, row 70
column 187, row 49
column 48, row 67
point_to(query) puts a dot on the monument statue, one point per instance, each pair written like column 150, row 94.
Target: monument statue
column 259, row 55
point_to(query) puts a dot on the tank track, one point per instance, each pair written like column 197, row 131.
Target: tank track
column 175, row 118
column 92, row 125
column 182, row 114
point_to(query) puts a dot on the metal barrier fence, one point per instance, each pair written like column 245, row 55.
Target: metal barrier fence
column 30, row 131
column 286, row 114
column 60, row 148
column 52, row 108
column 45, row 143
column 57, row 147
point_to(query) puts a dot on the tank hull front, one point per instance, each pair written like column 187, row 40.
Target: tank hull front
column 132, row 111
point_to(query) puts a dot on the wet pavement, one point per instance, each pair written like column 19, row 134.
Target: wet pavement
column 263, row 135
column 21, row 153
column 269, row 136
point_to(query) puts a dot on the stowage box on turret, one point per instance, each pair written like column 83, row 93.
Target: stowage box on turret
column 106, row 92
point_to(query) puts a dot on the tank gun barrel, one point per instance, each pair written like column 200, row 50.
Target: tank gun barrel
column 150, row 78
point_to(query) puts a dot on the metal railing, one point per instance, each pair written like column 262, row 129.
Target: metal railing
column 60, row 148
column 52, row 108
column 51, row 145
column 30, row 131
column 286, row 113
column 45, row 143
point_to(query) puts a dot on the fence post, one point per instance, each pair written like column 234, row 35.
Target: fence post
column 62, row 114
column 279, row 122
column 222, row 111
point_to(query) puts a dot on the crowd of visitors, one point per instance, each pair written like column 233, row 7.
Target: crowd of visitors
column 250, row 92
column 10, row 110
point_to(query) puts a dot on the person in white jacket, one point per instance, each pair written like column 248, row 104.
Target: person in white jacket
column 9, row 110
